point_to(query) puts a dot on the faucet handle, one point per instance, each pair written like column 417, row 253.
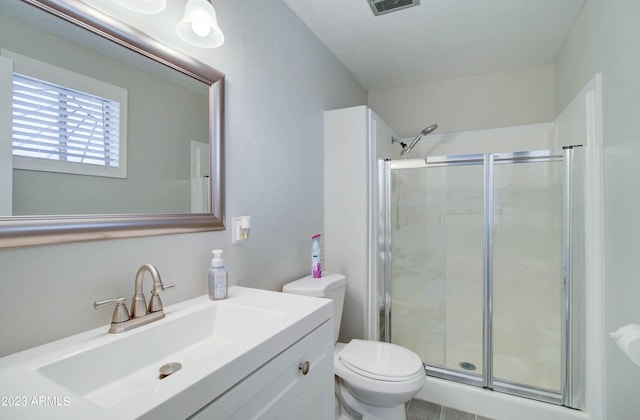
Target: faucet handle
column 120, row 313
column 155, row 304
column 161, row 287
column 169, row 286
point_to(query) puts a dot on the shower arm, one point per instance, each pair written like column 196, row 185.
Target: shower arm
column 406, row 149
column 402, row 144
column 414, row 142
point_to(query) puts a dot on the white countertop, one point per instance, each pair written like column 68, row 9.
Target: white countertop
column 235, row 347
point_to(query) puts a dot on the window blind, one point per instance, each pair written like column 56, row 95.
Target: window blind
column 58, row 123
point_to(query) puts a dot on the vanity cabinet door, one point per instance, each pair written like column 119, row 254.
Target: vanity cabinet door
column 317, row 402
column 281, row 386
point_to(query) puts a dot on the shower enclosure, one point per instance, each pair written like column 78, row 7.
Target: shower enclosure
column 481, row 268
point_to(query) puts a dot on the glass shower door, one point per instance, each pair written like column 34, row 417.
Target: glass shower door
column 527, row 273
column 437, row 265
column 482, row 274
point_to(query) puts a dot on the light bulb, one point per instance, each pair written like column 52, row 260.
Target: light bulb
column 201, row 27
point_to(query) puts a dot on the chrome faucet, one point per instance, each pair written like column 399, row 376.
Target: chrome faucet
column 140, row 313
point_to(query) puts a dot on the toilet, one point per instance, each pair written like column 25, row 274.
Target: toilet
column 374, row 379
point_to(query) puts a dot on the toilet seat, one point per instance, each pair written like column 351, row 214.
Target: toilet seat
column 380, row 361
column 386, row 382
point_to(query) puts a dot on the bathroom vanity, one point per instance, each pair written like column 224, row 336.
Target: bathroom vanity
column 256, row 354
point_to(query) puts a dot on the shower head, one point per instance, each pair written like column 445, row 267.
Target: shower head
column 415, row 141
column 429, row 130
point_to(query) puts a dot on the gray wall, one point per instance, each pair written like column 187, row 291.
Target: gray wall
column 487, row 101
column 280, row 79
column 604, row 39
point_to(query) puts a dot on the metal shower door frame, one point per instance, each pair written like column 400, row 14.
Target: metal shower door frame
column 572, row 362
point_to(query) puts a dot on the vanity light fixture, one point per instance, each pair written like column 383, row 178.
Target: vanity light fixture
column 143, row 6
column 199, row 26
column 241, row 226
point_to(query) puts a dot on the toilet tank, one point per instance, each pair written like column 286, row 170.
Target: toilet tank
column 330, row 285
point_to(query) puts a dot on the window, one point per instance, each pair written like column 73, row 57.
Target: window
column 58, row 123
column 66, row 122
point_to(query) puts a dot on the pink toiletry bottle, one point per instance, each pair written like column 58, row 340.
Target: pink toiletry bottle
column 316, row 257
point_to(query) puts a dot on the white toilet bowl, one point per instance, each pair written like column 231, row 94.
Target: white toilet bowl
column 373, row 379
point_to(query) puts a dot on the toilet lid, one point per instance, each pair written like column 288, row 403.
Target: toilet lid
column 378, row 360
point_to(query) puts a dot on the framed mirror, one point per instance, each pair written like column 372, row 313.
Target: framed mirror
column 169, row 175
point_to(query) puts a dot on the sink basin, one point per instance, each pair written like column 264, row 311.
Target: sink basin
column 121, row 369
column 97, row 375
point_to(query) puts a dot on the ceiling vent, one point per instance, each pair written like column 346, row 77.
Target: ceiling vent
column 380, row 7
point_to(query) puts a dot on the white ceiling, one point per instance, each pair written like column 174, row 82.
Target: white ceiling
column 438, row 39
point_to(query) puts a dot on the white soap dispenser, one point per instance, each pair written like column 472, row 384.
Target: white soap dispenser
column 217, row 277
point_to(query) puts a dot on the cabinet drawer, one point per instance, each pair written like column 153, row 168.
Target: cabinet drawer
column 270, row 390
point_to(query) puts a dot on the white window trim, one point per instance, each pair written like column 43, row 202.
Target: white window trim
column 60, row 76
column 6, row 165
